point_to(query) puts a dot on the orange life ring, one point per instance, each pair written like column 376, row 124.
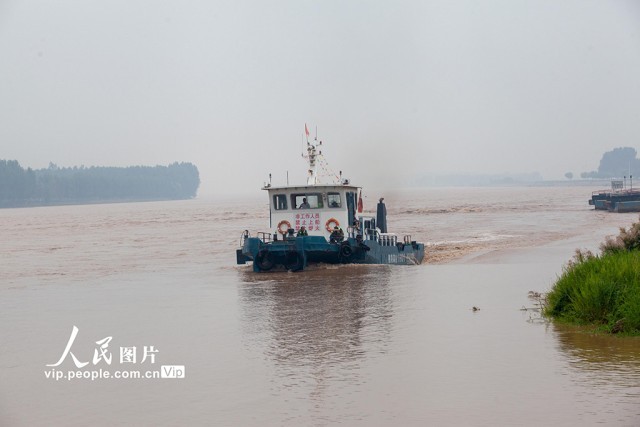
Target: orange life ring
column 281, row 223
column 330, row 227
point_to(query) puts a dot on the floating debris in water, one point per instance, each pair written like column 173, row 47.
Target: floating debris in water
column 535, row 313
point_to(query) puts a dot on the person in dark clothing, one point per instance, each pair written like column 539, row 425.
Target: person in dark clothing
column 337, row 235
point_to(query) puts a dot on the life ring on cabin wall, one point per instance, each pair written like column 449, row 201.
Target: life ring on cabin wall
column 330, row 227
column 281, row 223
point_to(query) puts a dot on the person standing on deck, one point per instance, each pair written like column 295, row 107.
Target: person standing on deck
column 337, row 235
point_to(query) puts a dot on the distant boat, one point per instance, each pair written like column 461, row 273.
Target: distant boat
column 617, row 199
column 306, row 226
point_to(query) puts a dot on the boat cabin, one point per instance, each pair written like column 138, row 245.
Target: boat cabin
column 319, row 208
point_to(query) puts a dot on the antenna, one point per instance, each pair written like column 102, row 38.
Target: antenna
column 311, row 157
column 287, row 177
column 316, row 162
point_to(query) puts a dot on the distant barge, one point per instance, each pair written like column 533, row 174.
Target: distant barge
column 306, row 223
column 616, row 199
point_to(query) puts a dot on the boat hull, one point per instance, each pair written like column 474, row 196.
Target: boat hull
column 626, row 206
column 622, row 201
column 296, row 253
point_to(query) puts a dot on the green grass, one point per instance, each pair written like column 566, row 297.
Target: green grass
column 601, row 290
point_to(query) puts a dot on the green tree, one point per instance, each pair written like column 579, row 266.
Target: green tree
column 619, row 162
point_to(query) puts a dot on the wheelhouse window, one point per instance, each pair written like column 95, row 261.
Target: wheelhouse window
column 307, row 201
column 280, row 202
column 334, row 200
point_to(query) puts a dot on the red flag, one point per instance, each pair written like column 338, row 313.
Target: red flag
column 360, row 204
column 306, row 129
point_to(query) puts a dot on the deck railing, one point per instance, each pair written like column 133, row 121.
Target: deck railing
column 388, row 239
column 265, row 237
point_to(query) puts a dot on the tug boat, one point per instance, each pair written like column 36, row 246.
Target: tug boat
column 307, row 221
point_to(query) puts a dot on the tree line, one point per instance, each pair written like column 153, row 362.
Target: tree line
column 616, row 163
column 55, row 185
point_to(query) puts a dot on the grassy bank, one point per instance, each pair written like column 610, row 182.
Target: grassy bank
column 602, row 290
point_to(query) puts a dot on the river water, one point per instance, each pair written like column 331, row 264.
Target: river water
column 347, row 345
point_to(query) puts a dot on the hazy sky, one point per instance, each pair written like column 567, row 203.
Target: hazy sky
column 396, row 88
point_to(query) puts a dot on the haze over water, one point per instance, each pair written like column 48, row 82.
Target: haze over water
column 349, row 345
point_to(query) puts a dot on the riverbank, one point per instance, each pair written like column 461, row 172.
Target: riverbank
column 601, row 289
column 57, row 186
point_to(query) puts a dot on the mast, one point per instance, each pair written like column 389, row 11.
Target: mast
column 312, row 154
column 315, row 159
